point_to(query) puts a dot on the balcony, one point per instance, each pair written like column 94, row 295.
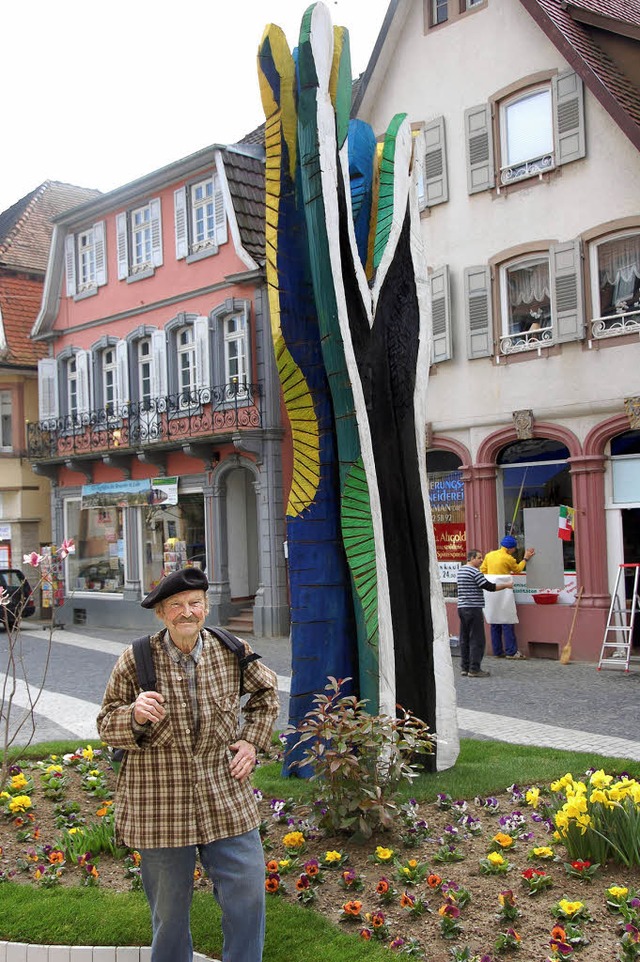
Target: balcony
column 615, row 325
column 531, row 340
column 528, row 168
column 162, row 422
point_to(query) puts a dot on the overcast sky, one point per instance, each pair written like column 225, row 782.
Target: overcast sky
column 99, row 92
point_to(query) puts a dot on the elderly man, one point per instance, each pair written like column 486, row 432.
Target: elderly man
column 184, row 783
column 502, row 562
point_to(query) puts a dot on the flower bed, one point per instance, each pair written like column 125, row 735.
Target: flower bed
column 473, row 879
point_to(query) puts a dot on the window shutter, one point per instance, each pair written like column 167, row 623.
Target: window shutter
column 70, row 263
column 123, row 246
column 47, row 388
column 180, row 209
column 477, row 309
column 568, row 117
column 158, row 363
column 82, row 369
column 566, row 279
column 156, row 233
column 99, row 248
column 122, row 368
column 435, row 164
column 220, row 214
column 479, row 143
column 441, row 315
column 201, row 338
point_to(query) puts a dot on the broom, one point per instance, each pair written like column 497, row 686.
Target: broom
column 565, row 654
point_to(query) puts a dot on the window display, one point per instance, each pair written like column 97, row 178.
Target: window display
column 98, row 562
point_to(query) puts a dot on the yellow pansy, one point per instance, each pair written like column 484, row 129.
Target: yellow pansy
column 293, row 840
column 543, row 851
column 332, row 856
column 54, row 768
column 504, row 841
column 18, row 782
column 384, row 854
column 20, row 803
column 618, row 891
column 495, row 858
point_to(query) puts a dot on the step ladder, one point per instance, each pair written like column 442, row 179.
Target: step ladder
column 616, row 645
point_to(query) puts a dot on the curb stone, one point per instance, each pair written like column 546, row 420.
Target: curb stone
column 26, row 952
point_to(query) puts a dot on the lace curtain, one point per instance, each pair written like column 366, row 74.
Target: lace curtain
column 529, row 284
column 619, row 261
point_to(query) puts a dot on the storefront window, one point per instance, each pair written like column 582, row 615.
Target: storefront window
column 446, row 496
column 533, row 474
column 172, row 536
column 98, row 562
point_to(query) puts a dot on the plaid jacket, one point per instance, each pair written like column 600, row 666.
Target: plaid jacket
column 174, row 789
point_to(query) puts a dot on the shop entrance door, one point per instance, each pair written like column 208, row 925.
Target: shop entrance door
column 631, row 551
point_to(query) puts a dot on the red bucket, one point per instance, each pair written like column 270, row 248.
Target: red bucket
column 546, row 597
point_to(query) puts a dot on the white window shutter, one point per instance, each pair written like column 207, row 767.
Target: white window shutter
column 435, row 164
column 82, row 370
column 180, row 209
column 203, row 365
column 479, row 146
column 122, row 369
column 158, row 363
column 568, row 117
column 220, row 213
column 123, row 246
column 478, row 313
column 47, row 388
column 156, row 232
column 566, row 281
column 441, row 315
column 100, row 253
column 70, row 263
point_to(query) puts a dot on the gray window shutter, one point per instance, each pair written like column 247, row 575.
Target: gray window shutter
column 435, row 164
column 47, row 388
column 441, row 315
column 180, row 209
column 70, row 263
column 122, row 368
column 568, row 117
column 123, row 246
column 100, row 252
column 220, row 213
column 156, row 232
column 479, row 143
column 566, row 280
column 82, row 370
column 159, row 363
column 201, row 338
column 477, row 309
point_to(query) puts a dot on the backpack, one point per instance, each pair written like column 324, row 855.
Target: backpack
column 146, row 671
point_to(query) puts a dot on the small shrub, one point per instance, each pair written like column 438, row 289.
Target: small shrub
column 359, row 761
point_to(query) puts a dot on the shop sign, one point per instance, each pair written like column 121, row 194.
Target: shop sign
column 451, row 542
column 116, row 494
column 449, row 571
column 5, row 532
column 524, row 595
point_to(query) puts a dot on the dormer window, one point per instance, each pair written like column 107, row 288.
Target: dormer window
column 200, row 219
column 85, row 261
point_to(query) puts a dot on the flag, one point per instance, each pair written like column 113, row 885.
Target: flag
column 565, row 522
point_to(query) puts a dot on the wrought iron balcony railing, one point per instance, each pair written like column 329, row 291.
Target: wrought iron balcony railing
column 614, row 325
column 135, row 425
column 531, row 340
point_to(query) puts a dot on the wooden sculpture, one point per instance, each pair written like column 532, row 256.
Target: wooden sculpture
column 350, row 320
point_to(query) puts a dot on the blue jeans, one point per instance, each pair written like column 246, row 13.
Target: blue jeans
column 510, row 643
column 236, row 868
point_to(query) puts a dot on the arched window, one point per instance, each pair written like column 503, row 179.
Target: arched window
column 533, row 474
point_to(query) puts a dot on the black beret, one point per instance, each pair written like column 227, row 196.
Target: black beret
column 187, row 579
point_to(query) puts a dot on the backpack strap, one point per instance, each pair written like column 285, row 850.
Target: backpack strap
column 234, row 644
column 145, row 668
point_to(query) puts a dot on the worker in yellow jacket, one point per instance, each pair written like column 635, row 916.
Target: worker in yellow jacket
column 502, row 562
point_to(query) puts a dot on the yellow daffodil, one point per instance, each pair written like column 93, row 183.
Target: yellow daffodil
column 600, row 780
column 598, row 797
column 88, row 753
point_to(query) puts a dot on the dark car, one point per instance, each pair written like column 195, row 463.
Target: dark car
column 20, row 603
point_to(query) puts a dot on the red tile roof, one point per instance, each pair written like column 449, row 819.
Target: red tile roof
column 577, row 42
column 25, row 236
column 25, row 228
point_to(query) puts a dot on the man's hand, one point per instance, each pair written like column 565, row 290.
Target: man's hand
column 148, row 707
column 529, row 553
column 244, row 759
column 501, row 585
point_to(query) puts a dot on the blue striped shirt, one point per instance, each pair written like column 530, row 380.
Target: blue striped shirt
column 471, row 584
